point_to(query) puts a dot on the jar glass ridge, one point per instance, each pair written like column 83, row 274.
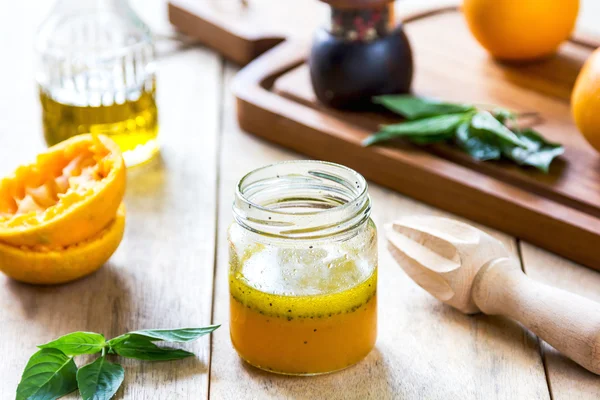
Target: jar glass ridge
column 303, row 268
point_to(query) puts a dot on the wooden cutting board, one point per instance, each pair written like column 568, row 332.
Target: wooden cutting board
column 559, row 211
column 242, row 30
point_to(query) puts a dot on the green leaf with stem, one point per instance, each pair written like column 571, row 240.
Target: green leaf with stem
column 482, row 134
column 504, row 115
column 77, row 343
column 413, row 107
column 477, row 146
column 438, row 128
column 181, row 335
column 142, row 348
column 429, row 139
column 539, row 153
column 484, row 122
column 49, row 375
column 51, row 372
column 100, row 379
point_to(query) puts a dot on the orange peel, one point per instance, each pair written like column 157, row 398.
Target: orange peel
column 70, row 193
column 41, row 265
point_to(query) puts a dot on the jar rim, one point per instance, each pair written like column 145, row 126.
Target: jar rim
column 329, row 199
column 239, row 190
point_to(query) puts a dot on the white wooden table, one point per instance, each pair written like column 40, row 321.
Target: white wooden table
column 171, row 268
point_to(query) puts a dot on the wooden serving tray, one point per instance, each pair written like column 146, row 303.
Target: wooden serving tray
column 559, row 211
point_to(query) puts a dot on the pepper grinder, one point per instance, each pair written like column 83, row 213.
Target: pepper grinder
column 360, row 55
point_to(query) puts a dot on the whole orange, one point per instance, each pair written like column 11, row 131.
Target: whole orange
column 585, row 101
column 521, row 29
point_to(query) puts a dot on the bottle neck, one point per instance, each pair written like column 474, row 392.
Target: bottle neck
column 362, row 25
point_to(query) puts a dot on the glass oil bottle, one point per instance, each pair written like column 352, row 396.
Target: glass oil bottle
column 96, row 74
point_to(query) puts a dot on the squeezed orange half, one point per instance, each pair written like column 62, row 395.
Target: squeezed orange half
column 303, row 334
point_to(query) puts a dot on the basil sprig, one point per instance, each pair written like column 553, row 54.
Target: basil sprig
column 484, row 135
column 51, row 372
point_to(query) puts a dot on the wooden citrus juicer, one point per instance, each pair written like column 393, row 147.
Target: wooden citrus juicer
column 473, row 272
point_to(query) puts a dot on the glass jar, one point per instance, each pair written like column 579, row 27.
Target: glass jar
column 303, row 268
column 95, row 73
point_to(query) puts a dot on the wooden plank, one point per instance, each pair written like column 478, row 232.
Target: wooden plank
column 424, row 349
column 567, row 380
column 162, row 274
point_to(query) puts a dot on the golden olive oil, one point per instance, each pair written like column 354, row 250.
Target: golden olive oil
column 131, row 122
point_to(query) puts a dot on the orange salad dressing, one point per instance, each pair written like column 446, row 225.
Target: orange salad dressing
column 301, row 332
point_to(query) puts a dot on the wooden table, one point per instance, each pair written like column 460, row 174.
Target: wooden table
column 171, row 268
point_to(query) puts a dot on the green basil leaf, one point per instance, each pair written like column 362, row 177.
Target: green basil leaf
column 100, row 379
column 115, row 342
column 412, row 107
column 504, row 115
column 483, row 122
column 539, row 154
column 429, row 139
column 49, row 374
column 440, row 128
column 476, row 146
column 142, row 348
column 175, row 335
column 77, row 343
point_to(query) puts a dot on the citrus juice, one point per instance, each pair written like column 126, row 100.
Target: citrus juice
column 302, row 311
